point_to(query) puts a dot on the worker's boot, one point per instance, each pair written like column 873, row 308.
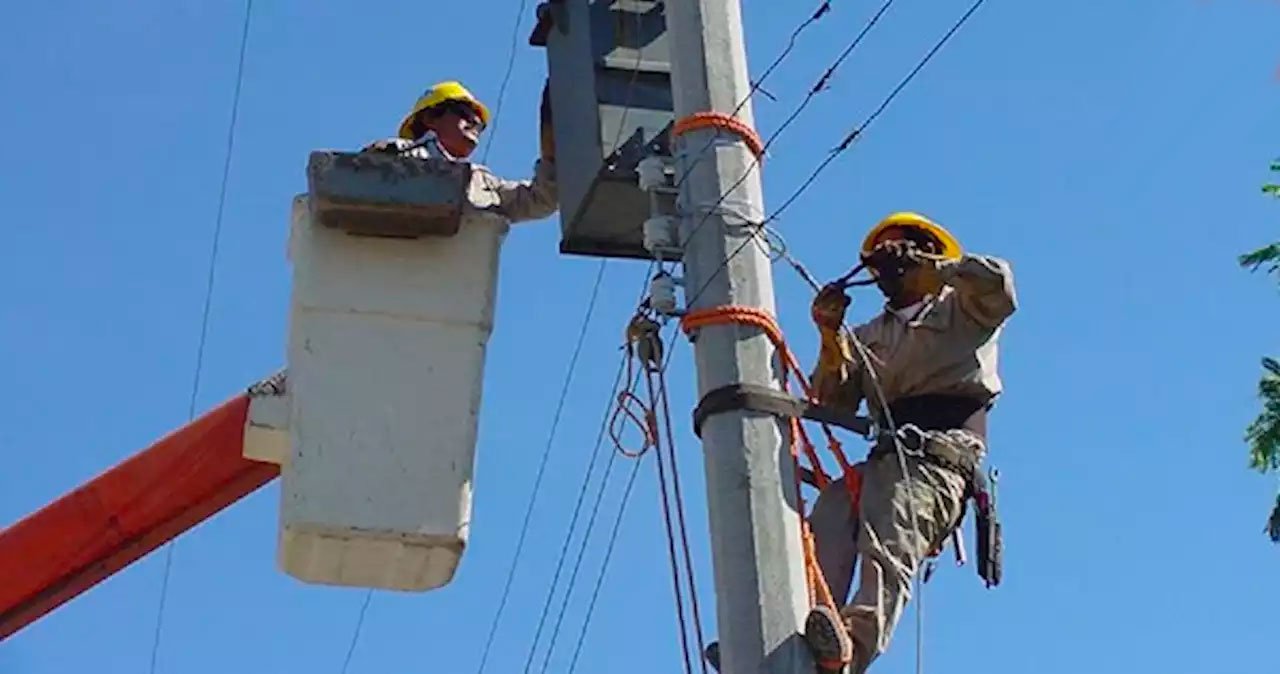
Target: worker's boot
column 828, row 639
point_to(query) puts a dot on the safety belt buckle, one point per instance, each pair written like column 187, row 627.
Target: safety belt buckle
column 912, row 439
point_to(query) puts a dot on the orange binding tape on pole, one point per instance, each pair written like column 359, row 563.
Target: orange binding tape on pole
column 724, row 122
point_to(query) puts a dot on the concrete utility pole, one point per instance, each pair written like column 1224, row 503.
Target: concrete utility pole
column 761, row 598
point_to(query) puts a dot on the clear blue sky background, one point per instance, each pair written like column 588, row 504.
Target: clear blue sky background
column 1111, row 150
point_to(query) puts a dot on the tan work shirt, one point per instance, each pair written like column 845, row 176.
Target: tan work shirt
column 515, row 200
column 946, row 345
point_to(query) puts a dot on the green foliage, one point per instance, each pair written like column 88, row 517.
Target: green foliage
column 1263, row 434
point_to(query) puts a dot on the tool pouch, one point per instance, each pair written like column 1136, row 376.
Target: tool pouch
column 990, row 540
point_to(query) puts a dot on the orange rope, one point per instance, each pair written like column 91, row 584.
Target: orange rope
column 819, row 591
column 726, row 122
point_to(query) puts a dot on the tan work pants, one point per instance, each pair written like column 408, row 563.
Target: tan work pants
column 883, row 537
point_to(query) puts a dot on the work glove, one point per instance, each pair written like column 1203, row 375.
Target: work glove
column 829, row 307
column 546, row 129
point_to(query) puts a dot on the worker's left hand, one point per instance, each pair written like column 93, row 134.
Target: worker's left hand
column 829, row 307
column 546, row 128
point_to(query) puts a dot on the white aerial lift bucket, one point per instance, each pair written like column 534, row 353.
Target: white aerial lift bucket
column 392, row 307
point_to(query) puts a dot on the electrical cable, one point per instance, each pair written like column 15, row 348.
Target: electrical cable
column 506, row 79
column 208, row 302
column 546, row 453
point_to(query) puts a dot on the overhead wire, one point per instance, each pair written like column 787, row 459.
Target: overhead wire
column 355, row 637
column 590, row 526
column 506, row 79
column 604, row 565
column 756, row 85
column 659, row 399
column 844, row 145
column 542, row 466
column 551, row 591
column 206, row 311
column 861, row 128
column 822, row 84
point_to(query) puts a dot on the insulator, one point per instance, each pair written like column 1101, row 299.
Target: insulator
column 660, row 234
column 662, row 294
column 652, row 172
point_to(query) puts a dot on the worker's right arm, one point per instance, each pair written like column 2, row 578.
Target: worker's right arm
column 538, row 198
column 524, row 200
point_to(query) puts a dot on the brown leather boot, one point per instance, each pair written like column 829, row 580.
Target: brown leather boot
column 828, row 639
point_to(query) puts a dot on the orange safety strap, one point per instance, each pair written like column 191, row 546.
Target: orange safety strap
column 819, row 591
column 724, row 122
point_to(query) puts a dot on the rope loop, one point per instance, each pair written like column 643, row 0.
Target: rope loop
column 642, row 419
column 724, row 122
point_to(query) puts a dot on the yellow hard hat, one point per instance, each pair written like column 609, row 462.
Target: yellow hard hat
column 437, row 94
column 950, row 245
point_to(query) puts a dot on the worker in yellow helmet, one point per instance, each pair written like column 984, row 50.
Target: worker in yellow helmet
column 446, row 123
column 929, row 377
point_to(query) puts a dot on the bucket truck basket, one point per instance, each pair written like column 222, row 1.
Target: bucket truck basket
column 391, row 311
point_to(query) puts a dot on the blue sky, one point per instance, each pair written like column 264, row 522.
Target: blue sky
column 1111, row 150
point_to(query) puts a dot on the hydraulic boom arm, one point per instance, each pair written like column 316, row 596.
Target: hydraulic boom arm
column 75, row 542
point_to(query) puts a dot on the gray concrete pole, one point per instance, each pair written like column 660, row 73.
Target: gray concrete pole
column 761, row 598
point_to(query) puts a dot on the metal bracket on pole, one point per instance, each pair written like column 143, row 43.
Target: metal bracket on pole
column 770, row 401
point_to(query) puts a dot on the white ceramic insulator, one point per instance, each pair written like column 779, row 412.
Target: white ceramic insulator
column 659, row 233
column 652, row 171
column 662, row 294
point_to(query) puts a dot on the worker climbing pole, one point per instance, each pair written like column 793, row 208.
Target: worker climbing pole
column 908, row 497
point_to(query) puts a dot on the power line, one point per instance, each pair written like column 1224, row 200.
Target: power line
column 208, row 302
column 573, row 522
column 821, row 85
column 506, row 79
column 857, row 131
column 757, row 85
column 533, row 647
column 546, row 454
column 844, row 145
column 355, row 636
column 604, row 566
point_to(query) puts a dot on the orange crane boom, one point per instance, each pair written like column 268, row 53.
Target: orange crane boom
column 75, row 542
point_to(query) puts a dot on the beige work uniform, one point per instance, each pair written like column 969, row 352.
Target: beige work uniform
column 948, row 345
column 515, row 200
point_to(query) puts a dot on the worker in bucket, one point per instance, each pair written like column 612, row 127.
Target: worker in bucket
column 446, row 123
column 929, row 377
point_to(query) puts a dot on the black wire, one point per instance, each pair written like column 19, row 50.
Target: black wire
column 506, row 79
column 821, row 85
column 546, row 453
column 573, row 521
column 582, row 549
column 635, row 73
column 355, row 637
column 756, row 85
column 604, row 566
column 831, row 156
column 208, row 302
column 857, row 132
